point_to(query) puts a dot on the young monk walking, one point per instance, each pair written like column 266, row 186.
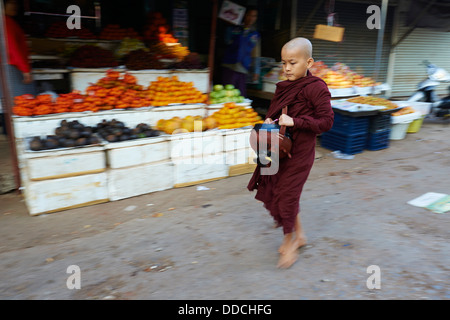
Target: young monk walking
column 309, row 113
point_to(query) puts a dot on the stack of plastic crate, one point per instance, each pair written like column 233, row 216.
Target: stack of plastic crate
column 348, row 134
column 379, row 132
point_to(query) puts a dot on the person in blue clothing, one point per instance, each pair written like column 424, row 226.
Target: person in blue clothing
column 242, row 46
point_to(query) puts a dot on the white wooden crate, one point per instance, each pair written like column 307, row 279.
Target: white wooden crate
column 137, row 152
column 59, row 194
column 51, row 164
column 194, row 144
column 234, row 139
column 240, row 156
column 138, row 180
column 189, row 171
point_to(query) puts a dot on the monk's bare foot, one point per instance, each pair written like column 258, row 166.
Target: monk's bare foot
column 287, row 259
column 289, row 251
column 286, row 244
column 292, row 244
column 299, row 242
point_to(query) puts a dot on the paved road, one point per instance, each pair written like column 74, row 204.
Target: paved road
column 220, row 243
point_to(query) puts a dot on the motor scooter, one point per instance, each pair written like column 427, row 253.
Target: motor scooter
column 425, row 90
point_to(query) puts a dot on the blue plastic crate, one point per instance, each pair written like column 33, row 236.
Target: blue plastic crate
column 346, row 143
column 379, row 140
column 350, row 125
column 380, row 123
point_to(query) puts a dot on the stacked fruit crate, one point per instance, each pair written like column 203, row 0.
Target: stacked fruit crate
column 379, row 132
column 348, row 134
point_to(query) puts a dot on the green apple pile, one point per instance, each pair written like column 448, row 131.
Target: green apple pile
column 224, row 94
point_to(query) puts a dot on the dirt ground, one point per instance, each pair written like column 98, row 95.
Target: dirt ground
column 220, row 243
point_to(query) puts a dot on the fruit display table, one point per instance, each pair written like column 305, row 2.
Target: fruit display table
column 58, row 179
column 146, row 135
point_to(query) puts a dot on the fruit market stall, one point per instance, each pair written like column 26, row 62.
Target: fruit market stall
column 119, row 139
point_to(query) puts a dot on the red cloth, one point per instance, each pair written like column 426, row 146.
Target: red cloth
column 17, row 45
column 308, row 101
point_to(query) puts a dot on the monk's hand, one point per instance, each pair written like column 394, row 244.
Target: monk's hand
column 285, row 120
column 268, row 120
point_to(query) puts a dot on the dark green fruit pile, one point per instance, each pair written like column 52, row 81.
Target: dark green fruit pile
column 74, row 134
column 113, row 131
column 69, row 134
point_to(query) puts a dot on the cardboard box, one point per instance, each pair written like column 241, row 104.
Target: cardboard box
column 330, row 33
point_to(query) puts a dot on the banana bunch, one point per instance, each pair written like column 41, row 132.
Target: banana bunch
column 127, row 45
column 180, row 52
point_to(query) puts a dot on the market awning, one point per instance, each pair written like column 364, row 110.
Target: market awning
column 437, row 15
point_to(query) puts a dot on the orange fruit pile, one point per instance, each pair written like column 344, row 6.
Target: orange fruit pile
column 29, row 105
column 24, row 105
column 167, row 90
column 232, row 116
column 114, row 91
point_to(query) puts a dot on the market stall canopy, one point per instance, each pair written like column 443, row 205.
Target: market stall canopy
column 437, row 16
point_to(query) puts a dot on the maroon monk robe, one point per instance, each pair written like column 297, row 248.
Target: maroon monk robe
column 308, row 101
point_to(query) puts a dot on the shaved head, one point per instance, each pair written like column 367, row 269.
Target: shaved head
column 296, row 57
column 301, row 44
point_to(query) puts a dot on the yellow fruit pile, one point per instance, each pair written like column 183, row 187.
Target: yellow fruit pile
column 340, row 76
column 374, row 101
column 167, row 90
column 186, row 124
column 336, row 80
column 232, row 116
column 170, row 51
